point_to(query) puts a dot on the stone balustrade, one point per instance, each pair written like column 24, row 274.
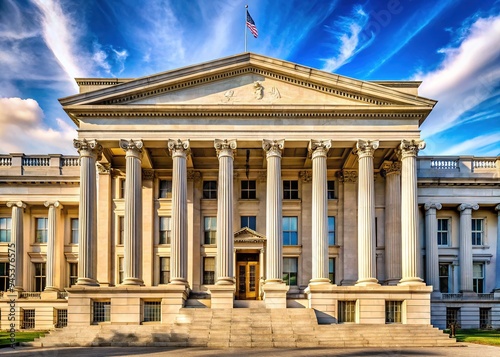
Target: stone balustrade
column 462, row 166
column 32, row 165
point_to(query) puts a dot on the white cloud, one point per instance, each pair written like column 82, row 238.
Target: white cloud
column 348, row 31
column 466, row 77
column 480, row 144
column 23, row 129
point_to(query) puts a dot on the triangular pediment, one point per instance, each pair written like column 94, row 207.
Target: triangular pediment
column 245, row 79
column 247, row 235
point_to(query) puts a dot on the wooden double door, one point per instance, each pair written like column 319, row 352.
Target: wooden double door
column 247, row 281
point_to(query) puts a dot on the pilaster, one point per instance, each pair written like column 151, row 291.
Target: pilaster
column 17, row 237
column 105, row 211
column 51, row 244
column 431, row 245
column 392, row 173
column 465, row 253
column 497, row 266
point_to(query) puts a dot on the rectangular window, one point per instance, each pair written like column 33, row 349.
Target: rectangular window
column 121, row 229
column 165, row 230
column 331, row 230
column 73, row 273
column 331, row 270
column 210, row 189
column 393, row 312
column 347, row 311
column 444, row 278
column 101, row 311
column 61, row 318
column 478, row 278
column 443, row 231
column 248, row 190
column 290, row 268
column 122, row 188
column 208, row 270
column 4, row 276
column 121, row 269
column 5, row 229
column 74, row 230
column 210, row 230
column 40, row 276
column 477, row 231
column 290, row 231
column 485, row 317
column 28, row 319
column 164, row 270
column 331, row 190
column 165, row 189
column 41, row 230
column 152, row 311
column 452, row 316
column 290, row 189
column 249, row 221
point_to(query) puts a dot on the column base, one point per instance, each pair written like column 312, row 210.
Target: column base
column 393, row 282
column 18, row 289
column 467, row 293
column 133, row 281
column 87, row 282
column 367, row 282
column 320, row 298
column 225, row 281
column 179, row 281
column 415, row 281
column 222, row 296
column 275, row 295
column 319, row 281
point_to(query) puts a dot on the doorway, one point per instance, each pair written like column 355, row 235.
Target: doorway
column 247, row 277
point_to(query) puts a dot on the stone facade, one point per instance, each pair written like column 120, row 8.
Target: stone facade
column 249, row 178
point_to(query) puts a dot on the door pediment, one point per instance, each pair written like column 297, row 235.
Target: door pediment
column 247, row 235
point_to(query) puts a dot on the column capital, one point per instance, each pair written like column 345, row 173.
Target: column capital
column 410, row 148
column 19, row 204
column 225, row 147
column 349, row 176
column 148, row 174
column 497, row 208
column 305, row 176
column 132, row 147
column 432, row 205
column 273, row 147
column 103, row 168
column 468, row 206
column 391, row 168
column 194, row 175
column 90, row 148
column 55, row 204
column 317, row 148
column 366, row 148
column 179, row 147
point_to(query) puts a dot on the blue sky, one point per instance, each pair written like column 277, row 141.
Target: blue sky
column 452, row 46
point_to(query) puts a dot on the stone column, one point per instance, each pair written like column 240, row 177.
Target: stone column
column 366, row 213
column 431, row 245
column 17, row 238
column 90, row 151
column 409, row 211
column 318, row 150
column 465, row 253
column 274, row 224
column 225, row 236
column 133, row 212
column 179, row 150
column 497, row 270
column 51, row 244
column 392, row 172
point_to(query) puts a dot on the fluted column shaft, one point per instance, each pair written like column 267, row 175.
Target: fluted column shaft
column 393, row 222
column 274, row 224
column 17, row 237
column 178, row 245
column 366, row 213
column 318, row 151
column 90, row 151
column 132, row 237
column 51, row 244
column 409, row 211
column 465, row 253
column 431, row 245
column 497, row 267
column 225, row 236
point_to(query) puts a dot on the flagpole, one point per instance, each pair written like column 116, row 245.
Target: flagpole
column 246, row 10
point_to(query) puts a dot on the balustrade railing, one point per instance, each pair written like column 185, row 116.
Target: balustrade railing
column 452, row 296
column 445, row 164
column 53, row 161
column 70, row 161
column 5, row 161
column 36, row 161
column 30, row 295
column 485, row 163
column 485, row 296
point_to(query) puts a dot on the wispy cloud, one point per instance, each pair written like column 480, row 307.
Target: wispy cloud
column 347, row 31
column 486, row 145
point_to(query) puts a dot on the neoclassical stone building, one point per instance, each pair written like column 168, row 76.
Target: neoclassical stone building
column 249, row 178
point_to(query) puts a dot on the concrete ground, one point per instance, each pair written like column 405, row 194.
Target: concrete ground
column 470, row 350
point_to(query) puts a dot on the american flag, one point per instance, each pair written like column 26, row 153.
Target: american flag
column 251, row 26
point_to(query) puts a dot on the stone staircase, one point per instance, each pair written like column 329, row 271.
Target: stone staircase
column 247, row 327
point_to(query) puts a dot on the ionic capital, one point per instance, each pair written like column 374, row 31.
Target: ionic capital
column 225, row 147
column 19, row 204
column 55, row 204
column 194, row 175
column 273, row 147
column 305, row 176
column 103, row 168
column 391, row 168
column 88, row 148
column 148, row 174
column 179, row 148
column 410, row 148
column 318, row 148
column 366, row 148
column 431, row 205
column 132, row 147
column 468, row 206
